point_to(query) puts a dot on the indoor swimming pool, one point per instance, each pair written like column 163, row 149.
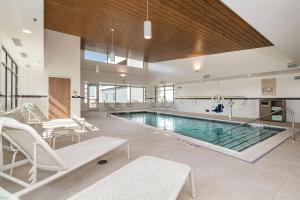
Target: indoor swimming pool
column 212, row 131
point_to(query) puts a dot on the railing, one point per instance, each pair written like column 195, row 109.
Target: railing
column 293, row 136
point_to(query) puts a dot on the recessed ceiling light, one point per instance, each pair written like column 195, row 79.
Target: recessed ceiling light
column 122, row 75
column 27, row 31
column 249, row 75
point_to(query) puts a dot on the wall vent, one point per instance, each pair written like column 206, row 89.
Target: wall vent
column 17, row 42
column 297, row 77
column 23, row 54
column 292, row 65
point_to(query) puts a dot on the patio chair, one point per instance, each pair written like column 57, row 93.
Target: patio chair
column 41, row 156
column 144, row 178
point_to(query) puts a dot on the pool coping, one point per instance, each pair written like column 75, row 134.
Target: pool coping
column 251, row 154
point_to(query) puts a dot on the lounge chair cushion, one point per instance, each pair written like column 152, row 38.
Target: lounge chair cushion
column 147, row 178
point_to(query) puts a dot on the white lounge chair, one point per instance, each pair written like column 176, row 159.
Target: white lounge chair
column 40, row 155
column 57, row 127
column 34, row 115
column 145, row 178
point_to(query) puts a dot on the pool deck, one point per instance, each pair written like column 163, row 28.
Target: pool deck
column 276, row 176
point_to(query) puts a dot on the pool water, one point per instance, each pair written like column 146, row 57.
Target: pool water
column 211, row 131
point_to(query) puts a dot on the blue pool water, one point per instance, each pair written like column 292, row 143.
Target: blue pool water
column 211, row 131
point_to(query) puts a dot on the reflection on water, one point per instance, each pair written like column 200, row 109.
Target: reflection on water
column 207, row 130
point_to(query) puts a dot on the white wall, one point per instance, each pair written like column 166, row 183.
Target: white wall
column 247, row 87
column 62, row 59
column 17, row 15
column 279, row 23
column 221, row 65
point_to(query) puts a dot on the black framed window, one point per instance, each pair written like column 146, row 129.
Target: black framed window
column 118, row 93
column 8, row 81
column 164, row 93
column 99, row 56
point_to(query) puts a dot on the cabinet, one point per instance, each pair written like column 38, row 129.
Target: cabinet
column 267, row 106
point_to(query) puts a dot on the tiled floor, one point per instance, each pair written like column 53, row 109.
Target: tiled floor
column 218, row 177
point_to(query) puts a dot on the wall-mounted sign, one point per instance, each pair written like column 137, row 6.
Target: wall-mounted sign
column 268, row 86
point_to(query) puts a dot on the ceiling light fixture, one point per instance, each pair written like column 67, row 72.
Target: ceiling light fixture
column 249, row 75
column 97, row 69
column 147, row 26
column 27, row 31
column 197, row 67
column 112, row 53
column 122, row 75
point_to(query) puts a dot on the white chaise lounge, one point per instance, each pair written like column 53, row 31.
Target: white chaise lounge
column 40, row 155
column 146, row 178
column 55, row 128
column 34, row 115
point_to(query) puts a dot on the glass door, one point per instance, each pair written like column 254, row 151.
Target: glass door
column 93, row 97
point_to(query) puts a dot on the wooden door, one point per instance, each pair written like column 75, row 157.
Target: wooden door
column 59, row 98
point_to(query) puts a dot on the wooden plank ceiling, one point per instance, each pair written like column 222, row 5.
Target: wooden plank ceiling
column 180, row 28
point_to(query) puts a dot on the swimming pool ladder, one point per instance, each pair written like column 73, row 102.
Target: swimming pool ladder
column 293, row 136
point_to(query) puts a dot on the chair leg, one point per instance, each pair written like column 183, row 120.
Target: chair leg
column 78, row 136
column 13, row 162
column 53, row 142
column 33, row 170
column 192, row 184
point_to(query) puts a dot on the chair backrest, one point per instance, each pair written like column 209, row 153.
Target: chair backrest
column 15, row 114
column 24, row 137
column 33, row 110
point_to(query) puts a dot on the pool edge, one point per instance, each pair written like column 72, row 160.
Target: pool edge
column 251, row 154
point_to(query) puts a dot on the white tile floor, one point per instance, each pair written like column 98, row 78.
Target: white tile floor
column 218, row 177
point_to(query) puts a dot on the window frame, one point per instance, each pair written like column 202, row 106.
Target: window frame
column 107, row 59
column 11, row 70
column 122, row 85
column 164, row 86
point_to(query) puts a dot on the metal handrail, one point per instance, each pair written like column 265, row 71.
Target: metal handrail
column 293, row 137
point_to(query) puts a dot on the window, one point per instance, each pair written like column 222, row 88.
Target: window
column 104, row 57
column 85, row 93
column 122, row 94
column 8, row 81
column 160, row 94
column 169, row 93
column 137, row 94
column 92, row 92
column 164, row 93
column 135, row 63
column 109, row 93
column 95, row 56
column 118, row 60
